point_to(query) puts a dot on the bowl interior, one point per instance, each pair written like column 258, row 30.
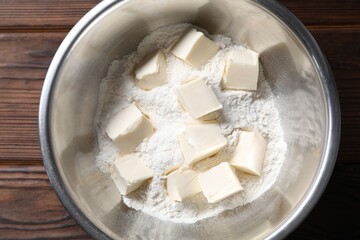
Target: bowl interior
column 116, row 31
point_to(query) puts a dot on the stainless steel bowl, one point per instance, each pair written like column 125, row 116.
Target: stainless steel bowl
column 293, row 63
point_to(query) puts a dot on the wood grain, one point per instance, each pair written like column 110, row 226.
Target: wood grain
column 19, row 143
column 26, row 56
column 30, row 208
column 30, row 33
column 325, row 12
column 42, row 14
column 24, row 60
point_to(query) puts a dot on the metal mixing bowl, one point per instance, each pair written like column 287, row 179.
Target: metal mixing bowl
column 293, row 64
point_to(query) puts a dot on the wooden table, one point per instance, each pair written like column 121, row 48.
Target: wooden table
column 31, row 31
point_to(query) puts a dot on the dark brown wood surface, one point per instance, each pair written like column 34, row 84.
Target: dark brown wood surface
column 31, row 31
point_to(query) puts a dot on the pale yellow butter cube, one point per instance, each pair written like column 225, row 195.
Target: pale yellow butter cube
column 241, row 70
column 152, row 72
column 250, row 153
column 128, row 128
column 199, row 100
column 182, row 184
column 129, row 173
column 219, row 182
column 195, row 48
column 198, row 142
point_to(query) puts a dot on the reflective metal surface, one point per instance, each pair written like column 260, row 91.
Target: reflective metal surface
column 293, row 64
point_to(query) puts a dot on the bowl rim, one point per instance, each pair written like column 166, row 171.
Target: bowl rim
column 331, row 143
column 333, row 112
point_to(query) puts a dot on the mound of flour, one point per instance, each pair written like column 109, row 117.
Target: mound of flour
column 241, row 110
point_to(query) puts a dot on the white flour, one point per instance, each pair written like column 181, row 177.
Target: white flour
column 241, row 110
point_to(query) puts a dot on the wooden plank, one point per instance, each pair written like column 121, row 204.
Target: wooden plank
column 27, row 55
column 24, row 60
column 19, row 142
column 325, row 12
column 42, row 14
column 30, row 209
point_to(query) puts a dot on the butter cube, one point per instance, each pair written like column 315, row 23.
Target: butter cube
column 128, row 128
column 250, row 153
column 195, row 48
column 241, row 70
column 198, row 142
column 182, row 184
column 152, row 72
column 219, row 182
column 130, row 172
column 199, row 100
